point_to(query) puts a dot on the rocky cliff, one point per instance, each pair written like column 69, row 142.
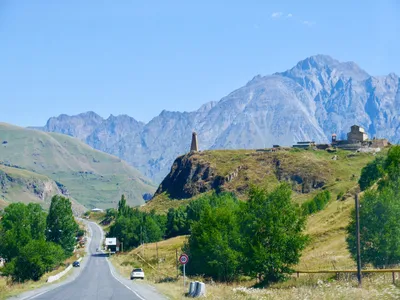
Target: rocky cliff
column 20, row 185
column 235, row 170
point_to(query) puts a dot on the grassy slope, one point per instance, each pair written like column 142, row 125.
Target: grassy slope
column 92, row 177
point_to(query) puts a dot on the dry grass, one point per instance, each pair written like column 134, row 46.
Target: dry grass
column 162, row 203
column 314, row 286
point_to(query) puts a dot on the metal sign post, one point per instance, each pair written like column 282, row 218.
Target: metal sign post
column 183, row 259
column 184, row 276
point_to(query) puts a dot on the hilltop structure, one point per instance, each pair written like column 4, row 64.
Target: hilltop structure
column 357, row 134
column 194, row 146
column 357, row 138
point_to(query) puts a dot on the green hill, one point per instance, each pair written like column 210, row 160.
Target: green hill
column 65, row 164
column 308, row 171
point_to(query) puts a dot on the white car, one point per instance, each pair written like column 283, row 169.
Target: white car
column 137, row 273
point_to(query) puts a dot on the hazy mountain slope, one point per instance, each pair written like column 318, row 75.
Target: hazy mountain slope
column 112, row 130
column 25, row 186
column 20, row 185
column 317, row 97
column 277, row 110
column 92, row 178
column 79, row 126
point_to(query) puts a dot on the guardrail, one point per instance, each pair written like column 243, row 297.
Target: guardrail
column 337, row 272
column 61, row 274
column 196, row 289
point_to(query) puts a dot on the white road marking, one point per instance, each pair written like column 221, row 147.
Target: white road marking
column 112, row 273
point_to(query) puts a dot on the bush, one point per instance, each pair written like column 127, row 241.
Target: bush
column 371, row 173
column 316, row 204
column 340, row 196
column 35, row 258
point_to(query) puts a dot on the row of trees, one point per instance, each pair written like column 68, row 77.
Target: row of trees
column 228, row 238
column 132, row 227
column 34, row 242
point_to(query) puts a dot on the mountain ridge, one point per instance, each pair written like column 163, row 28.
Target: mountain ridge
column 315, row 98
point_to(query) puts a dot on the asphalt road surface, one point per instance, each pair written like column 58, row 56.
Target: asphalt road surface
column 98, row 280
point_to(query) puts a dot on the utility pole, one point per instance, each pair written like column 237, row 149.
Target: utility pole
column 141, row 231
column 358, row 240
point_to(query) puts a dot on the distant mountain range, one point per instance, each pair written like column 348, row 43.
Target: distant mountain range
column 317, row 97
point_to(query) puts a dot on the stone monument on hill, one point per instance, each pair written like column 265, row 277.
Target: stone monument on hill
column 194, row 146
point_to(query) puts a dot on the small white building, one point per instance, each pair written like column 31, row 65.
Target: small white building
column 97, row 210
column 2, row 262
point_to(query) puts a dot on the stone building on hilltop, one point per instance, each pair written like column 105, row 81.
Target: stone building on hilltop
column 357, row 134
column 357, row 139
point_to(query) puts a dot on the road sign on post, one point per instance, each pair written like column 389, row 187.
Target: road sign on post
column 183, row 259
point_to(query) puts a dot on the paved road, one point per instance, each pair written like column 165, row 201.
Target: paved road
column 97, row 281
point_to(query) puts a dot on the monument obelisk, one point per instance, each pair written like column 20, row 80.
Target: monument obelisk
column 194, row 146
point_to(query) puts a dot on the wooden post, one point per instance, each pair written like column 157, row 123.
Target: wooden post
column 158, row 260
column 393, row 277
column 358, row 240
column 176, row 262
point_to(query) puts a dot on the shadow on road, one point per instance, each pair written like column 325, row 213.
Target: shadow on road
column 99, row 255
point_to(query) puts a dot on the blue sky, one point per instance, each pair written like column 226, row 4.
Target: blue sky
column 140, row 57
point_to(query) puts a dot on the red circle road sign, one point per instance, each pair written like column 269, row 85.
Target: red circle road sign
column 183, row 259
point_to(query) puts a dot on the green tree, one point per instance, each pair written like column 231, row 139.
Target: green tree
column 61, row 225
column 371, row 173
column 151, row 230
column 111, row 213
column 122, row 207
column 379, row 228
column 34, row 259
column 272, row 226
column 37, row 220
column 15, row 230
column 214, row 245
column 177, row 223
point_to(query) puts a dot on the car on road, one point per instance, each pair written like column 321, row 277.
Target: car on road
column 76, row 264
column 137, row 273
